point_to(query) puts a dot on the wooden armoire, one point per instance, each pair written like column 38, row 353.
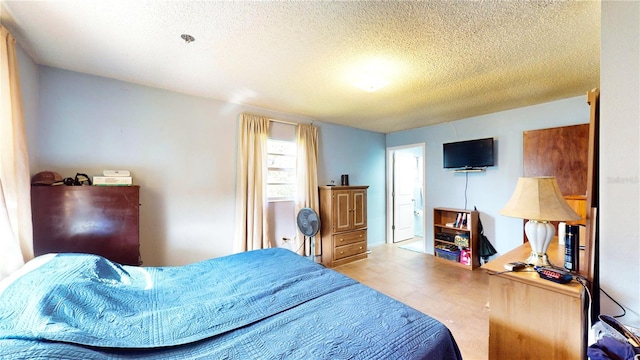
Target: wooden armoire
column 343, row 224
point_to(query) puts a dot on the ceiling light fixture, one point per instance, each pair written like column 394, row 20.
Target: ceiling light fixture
column 187, row 38
column 372, row 84
column 372, row 74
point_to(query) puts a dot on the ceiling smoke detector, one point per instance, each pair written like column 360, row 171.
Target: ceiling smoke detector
column 187, row 38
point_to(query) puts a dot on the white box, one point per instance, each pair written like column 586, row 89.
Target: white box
column 112, row 180
column 116, row 173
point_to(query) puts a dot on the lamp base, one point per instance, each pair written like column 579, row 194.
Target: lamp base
column 537, row 259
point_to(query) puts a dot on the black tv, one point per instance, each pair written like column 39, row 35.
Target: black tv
column 468, row 154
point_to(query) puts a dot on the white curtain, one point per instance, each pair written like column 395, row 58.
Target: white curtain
column 16, row 233
column 307, row 173
column 251, row 194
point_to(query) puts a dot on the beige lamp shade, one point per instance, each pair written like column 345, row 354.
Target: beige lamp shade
column 539, row 198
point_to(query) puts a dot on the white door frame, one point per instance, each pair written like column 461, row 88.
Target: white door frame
column 389, row 166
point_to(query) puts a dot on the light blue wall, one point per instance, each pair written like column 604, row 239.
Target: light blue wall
column 361, row 155
column 181, row 150
column 489, row 190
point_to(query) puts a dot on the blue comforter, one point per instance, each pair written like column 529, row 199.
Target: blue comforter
column 265, row 304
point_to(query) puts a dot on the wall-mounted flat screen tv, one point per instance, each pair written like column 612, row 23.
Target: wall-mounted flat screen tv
column 468, row 154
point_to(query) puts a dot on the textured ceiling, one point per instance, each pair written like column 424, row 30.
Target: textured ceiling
column 444, row 60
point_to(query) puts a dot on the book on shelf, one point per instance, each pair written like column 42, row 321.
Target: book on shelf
column 458, row 220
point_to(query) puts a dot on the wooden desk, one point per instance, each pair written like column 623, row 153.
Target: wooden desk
column 533, row 318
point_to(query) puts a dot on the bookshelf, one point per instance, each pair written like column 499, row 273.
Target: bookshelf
column 450, row 232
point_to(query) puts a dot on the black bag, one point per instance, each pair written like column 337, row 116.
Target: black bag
column 485, row 249
column 80, row 180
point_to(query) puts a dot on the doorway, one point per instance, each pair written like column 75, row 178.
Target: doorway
column 405, row 194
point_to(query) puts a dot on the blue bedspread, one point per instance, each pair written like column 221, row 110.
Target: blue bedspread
column 266, row 304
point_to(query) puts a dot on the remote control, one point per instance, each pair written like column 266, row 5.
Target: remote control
column 515, row 266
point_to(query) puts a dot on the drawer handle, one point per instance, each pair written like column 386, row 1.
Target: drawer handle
column 341, row 252
column 341, row 239
column 360, row 247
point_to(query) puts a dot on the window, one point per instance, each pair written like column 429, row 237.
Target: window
column 281, row 167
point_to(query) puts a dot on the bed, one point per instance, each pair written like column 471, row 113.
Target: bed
column 262, row 304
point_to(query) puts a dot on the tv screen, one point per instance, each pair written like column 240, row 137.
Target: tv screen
column 468, row 154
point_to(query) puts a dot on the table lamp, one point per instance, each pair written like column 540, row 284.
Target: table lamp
column 539, row 200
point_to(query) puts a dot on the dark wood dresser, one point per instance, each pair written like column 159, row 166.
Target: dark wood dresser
column 101, row 220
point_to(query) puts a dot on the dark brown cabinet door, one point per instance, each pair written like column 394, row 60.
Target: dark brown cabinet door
column 101, row 220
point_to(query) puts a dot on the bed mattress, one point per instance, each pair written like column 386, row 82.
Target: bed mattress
column 263, row 304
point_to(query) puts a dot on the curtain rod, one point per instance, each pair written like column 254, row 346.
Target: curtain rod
column 284, row 122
